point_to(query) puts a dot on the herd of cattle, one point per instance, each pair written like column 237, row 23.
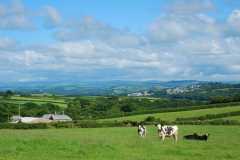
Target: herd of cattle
column 167, row 131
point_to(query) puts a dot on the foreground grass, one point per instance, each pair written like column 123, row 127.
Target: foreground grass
column 118, row 143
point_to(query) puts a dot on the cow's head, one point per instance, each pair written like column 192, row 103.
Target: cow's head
column 205, row 136
column 160, row 127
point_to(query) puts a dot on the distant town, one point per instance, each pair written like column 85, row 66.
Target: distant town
column 184, row 89
column 170, row 90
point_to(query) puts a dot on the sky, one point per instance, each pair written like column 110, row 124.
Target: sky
column 104, row 40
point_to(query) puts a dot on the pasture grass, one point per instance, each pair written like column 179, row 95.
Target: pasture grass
column 61, row 105
column 171, row 116
column 39, row 98
column 89, row 97
column 119, row 143
column 16, row 99
column 237, row 118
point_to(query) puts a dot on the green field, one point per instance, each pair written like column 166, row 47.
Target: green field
column 21, row 102
column 119, row 143
column 237, row 118
column 59, row 100
column 171, row 116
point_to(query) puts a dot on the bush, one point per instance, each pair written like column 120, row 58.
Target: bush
column 150, row 119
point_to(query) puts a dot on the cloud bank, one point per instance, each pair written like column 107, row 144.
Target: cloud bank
column 182, row 43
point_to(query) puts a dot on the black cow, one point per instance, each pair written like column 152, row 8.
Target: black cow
column 195, row 136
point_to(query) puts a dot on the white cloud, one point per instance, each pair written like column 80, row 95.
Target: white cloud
column 15, row 22
column 65, row 34
column 14, row 17
column 16, row 8
column 53, row 17
column 192, row 46
column 8, row 44
column 31, row 79
column 219, row 76
column 169, row 28
column 188, row 7
column 201, row 46
column 234, row 21
column 233, row 44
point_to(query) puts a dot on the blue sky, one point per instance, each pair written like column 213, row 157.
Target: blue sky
column 85, row 40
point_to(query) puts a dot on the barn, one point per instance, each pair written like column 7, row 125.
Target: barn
column 57, row 117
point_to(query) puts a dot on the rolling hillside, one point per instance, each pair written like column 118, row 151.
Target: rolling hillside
column 171, row 116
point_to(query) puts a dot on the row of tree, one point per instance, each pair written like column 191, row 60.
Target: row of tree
column 224, row 99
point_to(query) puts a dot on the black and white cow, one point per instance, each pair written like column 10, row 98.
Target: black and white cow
column 167, row 131
column 142, row 131
column 195, row 136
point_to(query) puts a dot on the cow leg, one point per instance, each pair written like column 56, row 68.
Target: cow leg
column 163, row 136
column 175, row 135
column 159, row 135
column 139, row 135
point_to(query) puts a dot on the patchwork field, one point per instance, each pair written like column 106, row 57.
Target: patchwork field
column 59, row 100
column 119, row 143
column 171, row 116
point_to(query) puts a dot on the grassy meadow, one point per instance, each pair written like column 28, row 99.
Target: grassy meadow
column 119, row 143
column 237, row 118
column 171, row 116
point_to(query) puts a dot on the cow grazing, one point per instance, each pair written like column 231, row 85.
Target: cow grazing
column 167, row 131
column 142, row 130
column 195, row 136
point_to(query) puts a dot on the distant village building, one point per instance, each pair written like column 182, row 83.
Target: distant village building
column 145, row 93
column 184, row 89
column 46, row 118
column 15, row 119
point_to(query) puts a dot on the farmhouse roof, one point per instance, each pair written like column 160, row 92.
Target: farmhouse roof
column 47, row 116
column 14, row 118
column 60, row 118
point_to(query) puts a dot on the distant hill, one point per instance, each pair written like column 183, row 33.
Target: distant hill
column 92, row 88
column 117, row 87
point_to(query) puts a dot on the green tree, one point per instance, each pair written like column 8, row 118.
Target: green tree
column 4, row 112
column 8, row 94
column 30, row 106
column 236, row 97
column 77, row 108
